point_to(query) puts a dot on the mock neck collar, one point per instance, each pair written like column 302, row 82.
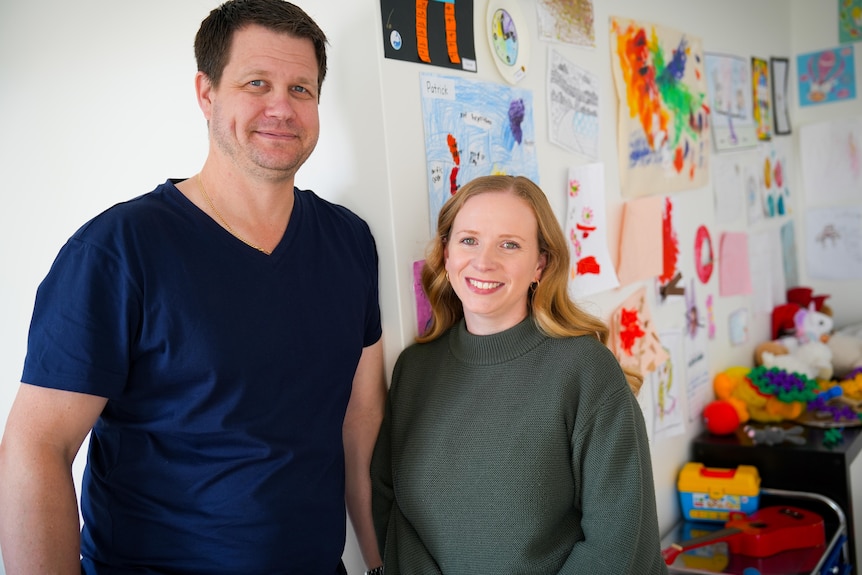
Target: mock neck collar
column 497, row 347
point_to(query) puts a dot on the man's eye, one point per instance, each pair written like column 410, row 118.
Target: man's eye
column 256, row 83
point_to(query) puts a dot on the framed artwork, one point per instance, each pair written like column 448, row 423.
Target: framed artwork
column 779, row 68
column 760, row 88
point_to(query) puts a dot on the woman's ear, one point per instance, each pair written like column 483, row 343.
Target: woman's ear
column 543, row 261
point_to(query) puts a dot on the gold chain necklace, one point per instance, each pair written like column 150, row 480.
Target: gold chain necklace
column 223, row 221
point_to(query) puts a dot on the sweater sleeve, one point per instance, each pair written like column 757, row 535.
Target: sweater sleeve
column 613, row 477
column 382, row 493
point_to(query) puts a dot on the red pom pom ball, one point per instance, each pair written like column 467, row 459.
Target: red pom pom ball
column 720, row 417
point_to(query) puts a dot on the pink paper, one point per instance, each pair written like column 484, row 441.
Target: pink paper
column 734, row 275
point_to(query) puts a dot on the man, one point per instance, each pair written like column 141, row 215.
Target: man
column 220, row 336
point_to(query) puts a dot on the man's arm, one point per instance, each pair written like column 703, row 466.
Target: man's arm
column 361, row 425
column 39, row 528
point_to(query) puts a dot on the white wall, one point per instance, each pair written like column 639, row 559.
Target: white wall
column 97, row 106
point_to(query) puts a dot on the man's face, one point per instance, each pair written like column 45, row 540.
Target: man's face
column 263, row 115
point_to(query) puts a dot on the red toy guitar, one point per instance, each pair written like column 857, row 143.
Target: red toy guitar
column 763, row 533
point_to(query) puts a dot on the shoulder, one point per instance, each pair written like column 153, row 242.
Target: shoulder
column 138, row 213
column 321, row 208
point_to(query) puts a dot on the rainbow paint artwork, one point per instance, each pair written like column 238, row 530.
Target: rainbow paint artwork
column 663, row 127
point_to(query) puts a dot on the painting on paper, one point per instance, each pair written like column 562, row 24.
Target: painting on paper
column 831, row 154
column 760, row 91
column 633, row 335
column 573, row 106
column 567, row 21
column 669, row 279
column 728, row 79
column 474, row 129
column 433, row 32
column 849, row 20
column 826, row 76
column 590, row 267
column 774, row 181
column 663, row 125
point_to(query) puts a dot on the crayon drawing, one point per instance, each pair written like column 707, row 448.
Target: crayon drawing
column 760, row 91
column 567, row 21
column 474, row 129
column 774, row 181
column 573, row 106
column 663, row 114
column 729, row 81
column 826, row 76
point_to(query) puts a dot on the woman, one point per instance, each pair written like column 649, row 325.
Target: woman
column 512, row 441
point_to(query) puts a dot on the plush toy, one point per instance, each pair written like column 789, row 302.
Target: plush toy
column 765, row 394
column 799, row 341
column 846, row 347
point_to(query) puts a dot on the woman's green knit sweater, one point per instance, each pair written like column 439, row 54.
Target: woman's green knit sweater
column 513, row 453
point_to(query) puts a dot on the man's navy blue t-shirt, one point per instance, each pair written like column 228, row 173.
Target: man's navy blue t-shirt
column 227, row 374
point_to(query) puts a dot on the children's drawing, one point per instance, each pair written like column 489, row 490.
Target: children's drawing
column 474, row 129
column 434, row 32
column 760, row 90
column 590, row 266
column 710, row 317
column 738, row 327
column 693, row 317
column 663, row 114
column 826, row 76
column 849, row 20
column 508, row 39
column 573, row 106
column 668, row 389
column 703, row 256
column 774, row 181
column 568, row 21
column 831, row 154
column 729, row 81
column 670, row 277
column 633, row 336
column 834, row 242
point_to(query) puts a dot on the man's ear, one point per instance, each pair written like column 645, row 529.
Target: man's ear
column 205, row 92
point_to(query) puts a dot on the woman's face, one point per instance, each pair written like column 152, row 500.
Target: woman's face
column 492, row 256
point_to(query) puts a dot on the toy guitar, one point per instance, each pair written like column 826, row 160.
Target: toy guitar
column 763, row 533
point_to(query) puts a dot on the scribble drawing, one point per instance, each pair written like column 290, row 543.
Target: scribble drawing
column 569, row 21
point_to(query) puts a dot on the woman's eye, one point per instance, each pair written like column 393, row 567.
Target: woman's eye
column 469, row 241
column 511, row 245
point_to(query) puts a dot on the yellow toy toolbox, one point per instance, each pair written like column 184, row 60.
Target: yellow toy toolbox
column 713, row 493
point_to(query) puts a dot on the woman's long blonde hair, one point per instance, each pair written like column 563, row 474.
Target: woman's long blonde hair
column 549, row 305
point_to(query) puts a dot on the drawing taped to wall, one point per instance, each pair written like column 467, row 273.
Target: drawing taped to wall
column 728, row 79
column 834, row 242
column 567, row 21
column 760, row 90
column 633, row 336
column 663, row 114
column 573, row 106
column 434, row 32
column 590, row 269
column 826, row 76
column 474, row 129
column 774, row 181
column 831, row 154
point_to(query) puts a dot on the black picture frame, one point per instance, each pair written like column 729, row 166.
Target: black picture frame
column 779, row 70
